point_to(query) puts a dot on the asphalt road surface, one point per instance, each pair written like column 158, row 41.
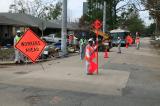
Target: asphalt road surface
column 128, row 79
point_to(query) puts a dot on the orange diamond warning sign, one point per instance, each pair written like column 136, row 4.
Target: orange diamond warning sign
column 31, row 45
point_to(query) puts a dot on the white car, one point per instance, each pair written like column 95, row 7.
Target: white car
column 48, row 50
column 56, row 40
column 49, row 38
column 157, row 37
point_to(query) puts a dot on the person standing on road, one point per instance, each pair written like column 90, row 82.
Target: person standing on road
column 90, row 50
column 70, row 40
column 19, row 58
column 82, row 43
column 129, row 40
column 75, row 43
column 119, row 44
column 137, row 41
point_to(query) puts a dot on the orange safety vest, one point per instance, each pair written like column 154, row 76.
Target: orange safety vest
column 129, row 39
column 89, row 51
column 137, row 40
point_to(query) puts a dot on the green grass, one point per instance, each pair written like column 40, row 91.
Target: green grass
column 7, row 54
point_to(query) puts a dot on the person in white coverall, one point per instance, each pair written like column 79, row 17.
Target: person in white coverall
column 90, row 49
column 19, row 58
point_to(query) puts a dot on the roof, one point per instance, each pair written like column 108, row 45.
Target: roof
column 19, row 19
column 6, row 21
column 70, row 25
column 118, row 30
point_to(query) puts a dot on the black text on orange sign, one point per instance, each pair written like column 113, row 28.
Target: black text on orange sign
column 32, row 43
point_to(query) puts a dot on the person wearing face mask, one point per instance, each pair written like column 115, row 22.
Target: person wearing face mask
column 137, row 41
column 82, row 44
column 119, row 44
column 89, row 51
column 19, row 58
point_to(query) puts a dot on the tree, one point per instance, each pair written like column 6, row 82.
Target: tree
column 82, row 21
column 54, row 11
column 135, row 24
column 18, row 7
column 95, row 10
column 154, row 8
column 131, row 20
column 38, row 8
column 150, row 29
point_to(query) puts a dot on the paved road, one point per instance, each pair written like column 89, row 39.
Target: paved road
column 128, row 79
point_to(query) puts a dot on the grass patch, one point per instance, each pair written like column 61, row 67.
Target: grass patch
column 6, row 54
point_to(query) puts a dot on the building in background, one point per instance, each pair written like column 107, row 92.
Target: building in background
column 10, row 22
column 85, row 8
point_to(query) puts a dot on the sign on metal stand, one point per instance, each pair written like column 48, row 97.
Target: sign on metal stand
column 97, row 25
column 31, row 45
column 42, row 27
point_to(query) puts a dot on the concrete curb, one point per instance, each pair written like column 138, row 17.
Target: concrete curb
column 38, row 61
column 13, row 63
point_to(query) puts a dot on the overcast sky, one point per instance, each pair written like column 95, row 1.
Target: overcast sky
column 75, row 8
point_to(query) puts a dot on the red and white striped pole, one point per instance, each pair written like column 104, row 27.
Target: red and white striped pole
column 97, row 25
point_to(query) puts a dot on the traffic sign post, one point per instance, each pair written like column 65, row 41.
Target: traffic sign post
column 42, row 27
column 31, row 45
column 97, row 25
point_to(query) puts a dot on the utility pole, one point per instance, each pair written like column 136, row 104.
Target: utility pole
column 64, row 29
column 104, row 17
column 42, row 29
column 156, row 21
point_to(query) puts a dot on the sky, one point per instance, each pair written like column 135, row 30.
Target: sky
column 75, row 9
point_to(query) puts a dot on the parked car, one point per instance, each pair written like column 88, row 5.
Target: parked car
column 49, row 38
column 57, row 40
column 157, row 37
column 58, row 45
column 49, row 51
